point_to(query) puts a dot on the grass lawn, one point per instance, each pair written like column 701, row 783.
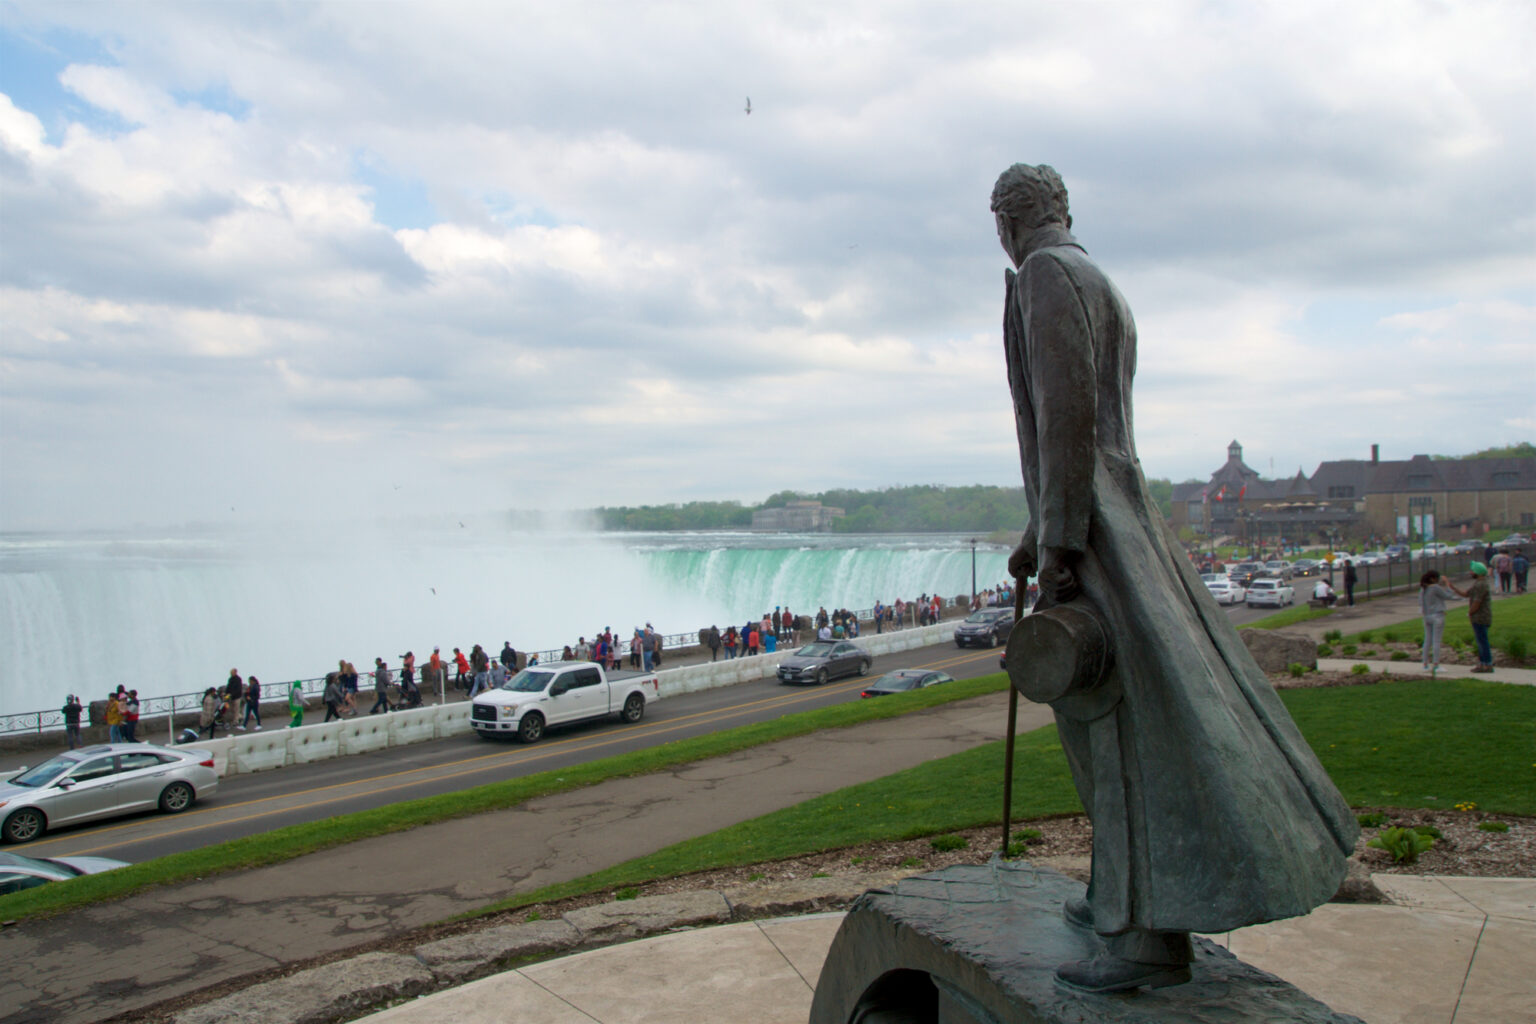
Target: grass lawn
column 1414, row 743
column 1288, row 617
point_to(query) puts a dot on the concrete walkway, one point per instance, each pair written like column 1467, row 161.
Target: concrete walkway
column 1455, row 951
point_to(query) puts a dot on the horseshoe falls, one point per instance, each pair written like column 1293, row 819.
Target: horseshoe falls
column 173, row 613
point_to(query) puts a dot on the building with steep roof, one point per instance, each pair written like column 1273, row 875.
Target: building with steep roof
column 1360, row 498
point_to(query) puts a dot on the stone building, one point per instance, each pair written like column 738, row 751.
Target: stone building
column 1353, row 499
column 797, row 517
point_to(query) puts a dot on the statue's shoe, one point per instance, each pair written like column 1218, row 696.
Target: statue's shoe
column 1077, row 913
column 1106, row 973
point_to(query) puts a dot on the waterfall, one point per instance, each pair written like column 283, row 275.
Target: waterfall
column 174, row 614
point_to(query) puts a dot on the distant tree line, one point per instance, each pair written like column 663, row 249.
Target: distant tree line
column 924, row 508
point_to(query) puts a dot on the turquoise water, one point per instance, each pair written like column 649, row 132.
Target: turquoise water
column 173, row 614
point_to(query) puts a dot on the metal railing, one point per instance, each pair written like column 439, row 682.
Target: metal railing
column 159, row 708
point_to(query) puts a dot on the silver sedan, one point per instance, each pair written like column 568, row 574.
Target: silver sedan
column 103, row 782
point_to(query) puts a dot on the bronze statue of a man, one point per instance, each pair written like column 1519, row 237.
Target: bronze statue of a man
column 1209, row 810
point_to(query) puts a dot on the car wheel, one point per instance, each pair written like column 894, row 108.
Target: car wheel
column 531, row 727
column 634, row 708
column 176, row 797
column 863, row 668
column 821, row 678
column 25, row 825
column 992, row 640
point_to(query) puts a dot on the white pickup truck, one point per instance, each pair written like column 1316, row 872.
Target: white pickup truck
column 557, row 694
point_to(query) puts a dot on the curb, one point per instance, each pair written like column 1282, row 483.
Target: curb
column 347, row 989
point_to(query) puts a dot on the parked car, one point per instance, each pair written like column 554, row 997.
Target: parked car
column 1226, row 591
column 104, row 781
column 904, row 679
column 1275, row 593
column 560, row 693
column 18, row 872
column 987, row 627
column 823, row 660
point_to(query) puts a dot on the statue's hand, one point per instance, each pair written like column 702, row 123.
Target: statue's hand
column 1058, row 575
column 1022, row 563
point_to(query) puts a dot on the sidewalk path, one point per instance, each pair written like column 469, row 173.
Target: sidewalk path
column 1455, row 950
column 107, row 959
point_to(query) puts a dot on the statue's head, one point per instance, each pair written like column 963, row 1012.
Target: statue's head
column 1025, row 199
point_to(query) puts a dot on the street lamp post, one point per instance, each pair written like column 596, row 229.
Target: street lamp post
column 973, row 572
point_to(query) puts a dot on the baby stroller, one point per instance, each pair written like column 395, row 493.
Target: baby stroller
column 407, row 695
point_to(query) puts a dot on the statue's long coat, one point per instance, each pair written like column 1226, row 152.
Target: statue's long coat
column 1209, row 810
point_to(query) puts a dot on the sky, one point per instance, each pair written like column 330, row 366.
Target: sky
column 266, row 262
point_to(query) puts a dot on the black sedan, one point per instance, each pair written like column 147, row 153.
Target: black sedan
column 904, row 679
column 825, row 659
column 985, row 628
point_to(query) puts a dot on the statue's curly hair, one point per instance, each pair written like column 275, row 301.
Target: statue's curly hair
column 1033, row 195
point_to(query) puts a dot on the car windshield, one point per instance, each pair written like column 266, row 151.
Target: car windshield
column 981, row 616
column 45, row 772
column 528, row 681
column 815, row 651
column 896, row 682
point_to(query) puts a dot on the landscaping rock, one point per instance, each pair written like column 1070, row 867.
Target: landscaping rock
column 1276, row 649
column 320, row 995
column 1358, row 886
column 627, row 919
column 462, row 956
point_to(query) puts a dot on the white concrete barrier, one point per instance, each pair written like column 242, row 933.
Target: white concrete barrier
column 415, row 726
column 362, row 734
column 259, row 751
column 314, row 742
column 221, row 751
column 453, row 720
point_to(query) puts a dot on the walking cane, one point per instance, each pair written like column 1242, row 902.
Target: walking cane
column 1013, row 722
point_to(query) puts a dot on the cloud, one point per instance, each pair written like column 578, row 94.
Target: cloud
column 543, row 257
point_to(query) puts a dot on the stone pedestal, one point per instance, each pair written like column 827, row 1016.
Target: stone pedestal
column 980, row 945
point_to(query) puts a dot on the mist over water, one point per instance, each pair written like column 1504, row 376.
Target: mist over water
column 163, row 614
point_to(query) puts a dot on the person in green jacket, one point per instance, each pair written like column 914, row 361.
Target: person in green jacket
column 296, row 704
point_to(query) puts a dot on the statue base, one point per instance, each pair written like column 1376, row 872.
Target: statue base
column 980, row 945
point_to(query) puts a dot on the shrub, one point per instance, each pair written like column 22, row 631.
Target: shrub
column 534, row 915
column 1359, row 670
column 1350, row 648
column 943, row 844
column 1324, row 651
column 1399, row 655
column 858, row 860
column 1389, row 636
column 1367, row 652
column 1375, row 819
column 1296, row 669
column 1515, row 646
column 629, row 892
column 1492, row 826
column 1428, row 830
column 1366, row 637
column 910, row 862
column 1333, row 636
column 756, row 876
column 1404, row 844
column 822, row 874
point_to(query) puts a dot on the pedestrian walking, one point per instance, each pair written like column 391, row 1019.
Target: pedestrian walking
column 381, row 686
column 332, row 696
column 1505, row 567
column 296, row 705
column 1522, row 569
column 252, row 703
column 129, row 706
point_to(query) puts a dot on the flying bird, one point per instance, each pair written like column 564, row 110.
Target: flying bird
column 434, row 590
column 749, row 105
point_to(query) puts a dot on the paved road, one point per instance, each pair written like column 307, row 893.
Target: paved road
column 252, row 804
